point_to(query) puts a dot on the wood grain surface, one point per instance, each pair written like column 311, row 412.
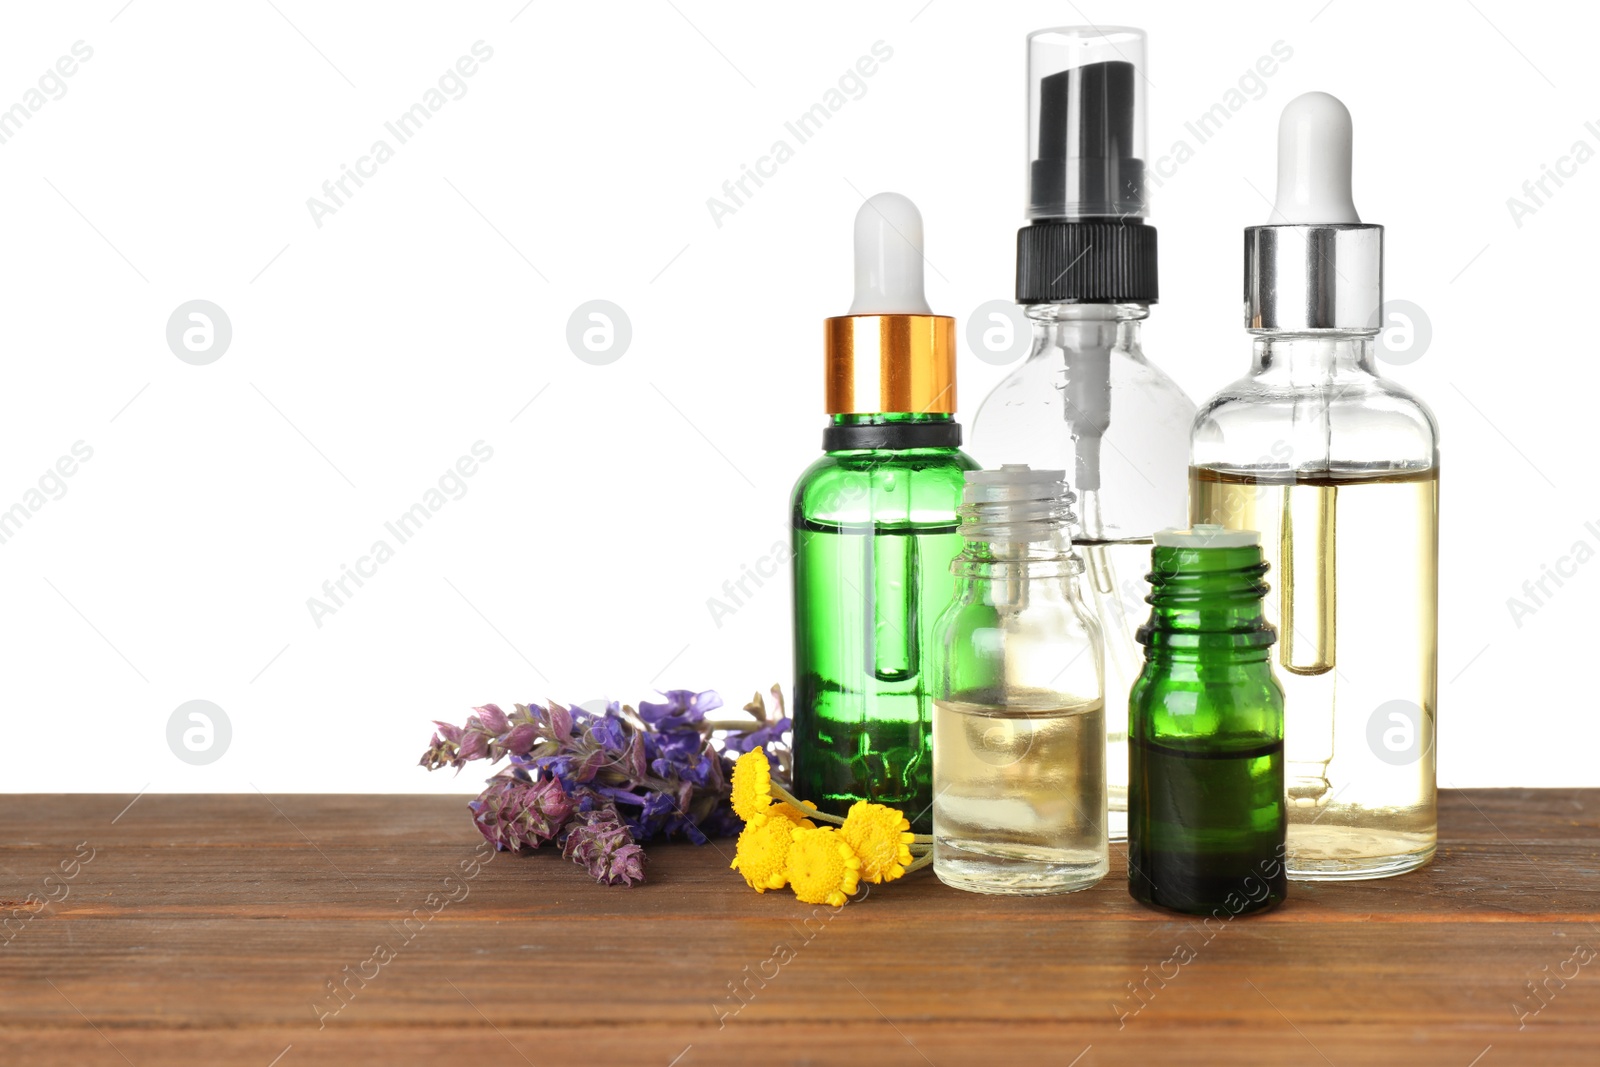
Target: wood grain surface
column 216, row 929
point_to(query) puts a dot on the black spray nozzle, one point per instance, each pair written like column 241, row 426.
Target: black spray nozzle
column 1085, row 163
column 1086, row 128
column 1086, row 241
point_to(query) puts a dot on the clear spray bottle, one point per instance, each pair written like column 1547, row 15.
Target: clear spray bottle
column 1086, row 400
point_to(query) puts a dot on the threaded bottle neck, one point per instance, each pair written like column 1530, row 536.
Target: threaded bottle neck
column 1016, row 522
column 1207, row 599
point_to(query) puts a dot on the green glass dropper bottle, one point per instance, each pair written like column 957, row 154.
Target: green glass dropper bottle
column 874, row 532
column 1206, row 812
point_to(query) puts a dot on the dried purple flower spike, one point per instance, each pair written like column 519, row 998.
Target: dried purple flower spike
column 517, row 815
column 603, row 782
column 602, row 844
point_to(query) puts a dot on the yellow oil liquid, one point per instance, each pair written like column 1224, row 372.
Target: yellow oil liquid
column 1354, row 571
column 1019, row 802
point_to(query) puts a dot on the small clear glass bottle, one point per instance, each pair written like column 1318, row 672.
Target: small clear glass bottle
column 1019, row 755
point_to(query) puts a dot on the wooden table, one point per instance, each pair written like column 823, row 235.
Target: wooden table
column 211, row 929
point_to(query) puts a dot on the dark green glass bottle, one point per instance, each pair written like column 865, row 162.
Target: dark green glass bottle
column 875, row 530
column 1206, row 815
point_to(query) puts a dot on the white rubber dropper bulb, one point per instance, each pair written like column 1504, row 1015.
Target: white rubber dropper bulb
column 889, row 258
column 1314, row 138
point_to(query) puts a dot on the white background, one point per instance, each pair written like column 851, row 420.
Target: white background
column 429, row 312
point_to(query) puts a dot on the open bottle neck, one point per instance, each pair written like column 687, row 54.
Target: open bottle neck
column 1207, row 602
column 1016, row 524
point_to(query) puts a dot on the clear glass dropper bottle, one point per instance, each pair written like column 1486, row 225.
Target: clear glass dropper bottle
column 1339, row 471
column 1087, row 400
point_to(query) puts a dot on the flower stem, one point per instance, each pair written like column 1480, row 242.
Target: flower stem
column 735, row 725
column 920, row 862
column 811, row 813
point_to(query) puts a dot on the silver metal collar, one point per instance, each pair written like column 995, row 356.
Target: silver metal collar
column 1300, row 277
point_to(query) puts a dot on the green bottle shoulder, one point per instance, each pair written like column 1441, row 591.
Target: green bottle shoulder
column 932, row 477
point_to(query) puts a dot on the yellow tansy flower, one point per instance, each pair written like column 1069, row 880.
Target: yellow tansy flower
column 762, row 855
column 752, row 784
column 881, row 837
column 823, row 868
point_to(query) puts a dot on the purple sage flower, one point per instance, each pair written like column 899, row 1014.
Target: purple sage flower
column 683, row 707
column 602, row 844
column 519, row 816
column 602, row 783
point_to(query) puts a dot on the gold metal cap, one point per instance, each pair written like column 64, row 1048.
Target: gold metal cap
column 891, row 363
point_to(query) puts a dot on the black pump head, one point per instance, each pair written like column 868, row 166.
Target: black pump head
column 1086, row 241
column 1085, row 161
